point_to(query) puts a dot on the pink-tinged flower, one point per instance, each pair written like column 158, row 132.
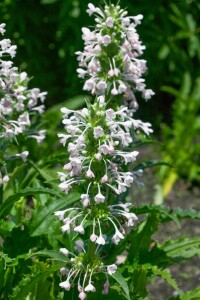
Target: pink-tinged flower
column 99, row 198
column 63, row 271
column 110, row 22
column 85, row 200
column 106, row 287
column 98, row 132
column 90, row 288
column 65, row 285
column 104, row 179
column 111, row 269
column 98, row 156
column 93, row 237
column 91, row 9
column 79, row 229
column 90, row 174
column 106, row 40
column 82, row 296
column 100, row 240
column 79, row 245
column 23, row 155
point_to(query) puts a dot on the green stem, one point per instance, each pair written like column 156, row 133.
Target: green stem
column 1, row 194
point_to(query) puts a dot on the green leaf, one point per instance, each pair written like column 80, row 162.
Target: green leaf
column 186, row 85
column 151, row 163
column 182, row 248
column 167, row 214
column 55, row 255
column 141, row 239
column 123, row 284
column 29, row 283
column 8, row 203
column 139, row 282
column 166, row 276
column 48, row 1
column 43, row 218
column 191, row 295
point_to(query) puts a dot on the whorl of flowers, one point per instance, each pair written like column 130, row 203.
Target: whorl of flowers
column 98, row 140
column 110, row 60
column 18, row 104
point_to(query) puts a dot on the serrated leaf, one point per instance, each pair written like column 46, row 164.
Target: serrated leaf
column 166, row 276
column 151, row 163
column 141, row 239
column 8, row 203
column 191, row 295
column 123, row 284
column 182, row 248
column 167, row 214
column 29, row 283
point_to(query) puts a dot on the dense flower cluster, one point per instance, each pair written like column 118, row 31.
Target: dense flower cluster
column 77, row 270
column 18, row 104
column 110, row 60
column 98, row 140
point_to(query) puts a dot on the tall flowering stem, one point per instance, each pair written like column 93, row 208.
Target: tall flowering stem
column 19, row 108
column 98, row 140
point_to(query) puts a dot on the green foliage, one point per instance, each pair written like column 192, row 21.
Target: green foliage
column 30, row 234
column 181, row 147
column 122, row 283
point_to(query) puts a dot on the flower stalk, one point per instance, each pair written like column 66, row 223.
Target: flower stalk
column 19, row 106
column 98, row 140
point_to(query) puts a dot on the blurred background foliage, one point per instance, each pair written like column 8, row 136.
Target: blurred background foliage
column 48, row 33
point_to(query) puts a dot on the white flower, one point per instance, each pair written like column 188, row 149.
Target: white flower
column 98, row 156
column 81, row 73
column 106, row 40
column 65, row 285
column 66, row 228
column 114, row 92
column 117, row 237
column 111, row 269
column 100, row 240
column 4, row 179
column 90, row 174
column 79, row 245
column 98, row 132
column 64, row 251
column 93, row 237
column 90, row 288
column 104, row 179
column 60, row 214
column 89, row 85
column 110, row 22
column 91, row 9
column 23, row 155
column 82, row 296
column 102, row 85
column 110, row 114
column 85, row 199
column 99, row 198
column 79, row 229
column 2, row 26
